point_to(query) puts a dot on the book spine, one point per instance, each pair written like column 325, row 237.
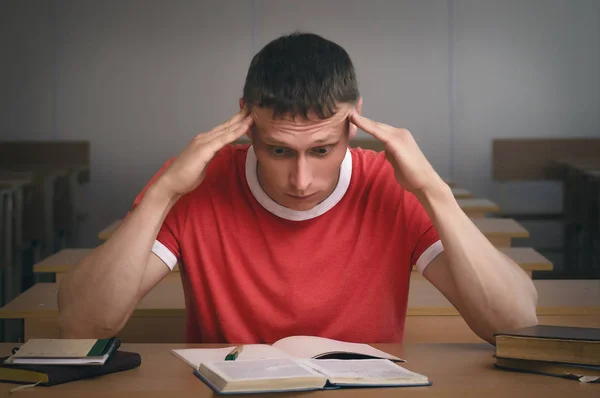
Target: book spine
column 98, row 348
column 113, row 346
column 103, row 347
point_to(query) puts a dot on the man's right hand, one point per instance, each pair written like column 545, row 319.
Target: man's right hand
column 187, row 171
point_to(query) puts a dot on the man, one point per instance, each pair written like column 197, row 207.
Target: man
column 297, row 233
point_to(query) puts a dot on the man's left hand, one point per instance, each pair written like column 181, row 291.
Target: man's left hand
column 411, row 168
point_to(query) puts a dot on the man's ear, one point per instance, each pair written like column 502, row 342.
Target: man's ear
column 242, row 103
column 352, row 128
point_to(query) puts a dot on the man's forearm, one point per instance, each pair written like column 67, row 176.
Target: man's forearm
column 96, row 296
column 494, row 292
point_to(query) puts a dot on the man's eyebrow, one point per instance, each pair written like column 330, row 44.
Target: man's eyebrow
column 324, row 139
column 274, row 142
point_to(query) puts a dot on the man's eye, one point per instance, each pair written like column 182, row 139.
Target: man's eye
column 321, row 151
column 279, row 151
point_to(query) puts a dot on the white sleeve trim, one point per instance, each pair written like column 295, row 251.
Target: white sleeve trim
column 164, row 254
column 428, row 255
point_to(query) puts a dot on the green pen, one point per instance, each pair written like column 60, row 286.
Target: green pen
column 232, row 356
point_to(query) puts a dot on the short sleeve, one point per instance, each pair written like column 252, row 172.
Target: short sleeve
column 167, row 243
column 423, row 239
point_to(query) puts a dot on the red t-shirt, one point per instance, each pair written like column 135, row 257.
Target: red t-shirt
column 254, row 271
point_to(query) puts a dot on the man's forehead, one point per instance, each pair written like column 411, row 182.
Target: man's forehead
column 263, row 117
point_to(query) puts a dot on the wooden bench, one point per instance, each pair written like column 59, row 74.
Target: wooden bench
column 160, row 315
column 64, row 260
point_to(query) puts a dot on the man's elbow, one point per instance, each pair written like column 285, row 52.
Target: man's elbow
column 77, row 322
column 519, row 319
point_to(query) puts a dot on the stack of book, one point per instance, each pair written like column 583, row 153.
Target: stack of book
column 561, row 351
column 48, row 362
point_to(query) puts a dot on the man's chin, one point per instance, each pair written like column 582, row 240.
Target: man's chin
column 299, row 204
column 305, row 207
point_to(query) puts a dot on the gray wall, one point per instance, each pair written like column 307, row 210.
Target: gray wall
column 140, row 78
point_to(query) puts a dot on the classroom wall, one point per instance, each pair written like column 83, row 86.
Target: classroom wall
column 524, row 69
column 140, row 78
column 27, row 70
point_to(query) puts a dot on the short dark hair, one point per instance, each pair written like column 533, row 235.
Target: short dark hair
column 298, row 73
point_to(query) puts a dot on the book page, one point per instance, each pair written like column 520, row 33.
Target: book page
column 56, row 348
column 270, row 369
column 313, row 347
column 361, row 370
column 195, row 356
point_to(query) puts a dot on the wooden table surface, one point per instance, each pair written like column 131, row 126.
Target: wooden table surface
column 455, row 370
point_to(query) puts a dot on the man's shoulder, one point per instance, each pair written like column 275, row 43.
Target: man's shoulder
column 223, row 164
column 373, row 175
column 369, row 164
column 367, row 157
column 227, row 156
column 229, row 160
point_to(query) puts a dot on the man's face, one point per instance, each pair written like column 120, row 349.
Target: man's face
column 299, row 160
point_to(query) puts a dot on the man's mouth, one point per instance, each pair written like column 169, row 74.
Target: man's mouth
column 301, row 197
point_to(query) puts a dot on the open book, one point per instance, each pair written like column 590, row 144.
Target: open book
column 298, row 363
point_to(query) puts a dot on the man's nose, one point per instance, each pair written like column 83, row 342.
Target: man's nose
column 301, row 176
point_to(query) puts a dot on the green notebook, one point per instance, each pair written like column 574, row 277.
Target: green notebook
column 64, row 352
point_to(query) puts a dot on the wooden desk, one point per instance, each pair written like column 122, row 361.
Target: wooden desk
column 455, row 370
column 528, row 259
column 478, row 208
column 66, row 259
column 160, row 315
column 39, row 219
column 109, row 230
column 581, row 185
column 461, row 193
column 500, row 231
column 11, row 233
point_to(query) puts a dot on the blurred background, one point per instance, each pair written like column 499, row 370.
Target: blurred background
column 129, row 83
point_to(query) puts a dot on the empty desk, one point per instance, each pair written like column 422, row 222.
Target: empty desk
column 461, row 193
column 478, row 208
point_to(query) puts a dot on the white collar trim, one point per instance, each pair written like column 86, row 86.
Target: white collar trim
column 297, row 215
